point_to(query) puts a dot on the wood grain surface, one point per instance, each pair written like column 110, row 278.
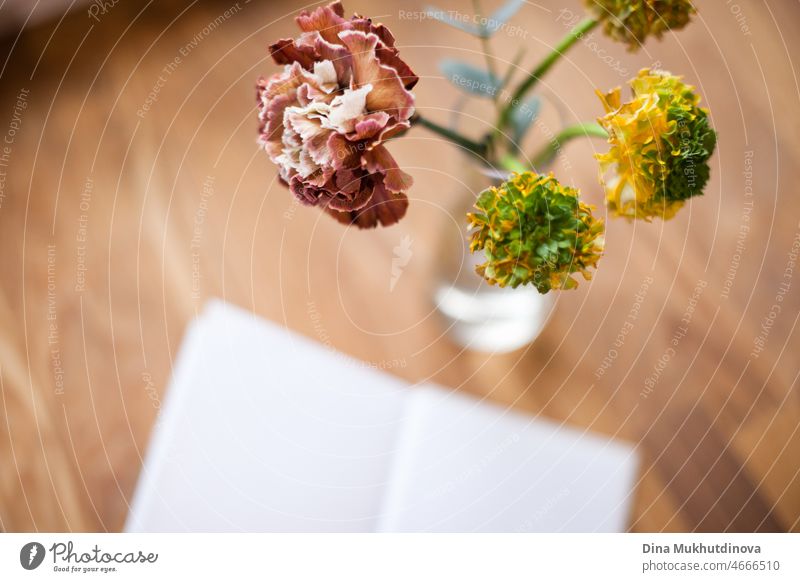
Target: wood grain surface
column 132, row 190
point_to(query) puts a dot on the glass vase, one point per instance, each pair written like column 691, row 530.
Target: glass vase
column 479, row 316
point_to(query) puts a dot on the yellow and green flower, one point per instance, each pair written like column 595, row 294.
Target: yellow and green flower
column 632, row 21
column 533, row 230
column 661, row 141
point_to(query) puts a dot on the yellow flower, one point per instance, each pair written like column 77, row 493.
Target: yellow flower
column 533, row 230
column 660, row 144
column 632, row 21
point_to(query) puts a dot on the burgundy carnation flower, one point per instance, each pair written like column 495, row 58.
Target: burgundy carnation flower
column 343, row 92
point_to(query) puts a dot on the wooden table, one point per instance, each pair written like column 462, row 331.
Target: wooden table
column 133, row 190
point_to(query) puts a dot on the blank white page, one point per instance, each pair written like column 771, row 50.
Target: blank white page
column 467, row 466
column 264, row 430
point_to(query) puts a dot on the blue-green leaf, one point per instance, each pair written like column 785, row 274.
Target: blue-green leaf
column 469, row 78
column 522, row 117
column 444, row 17
column 502, row 15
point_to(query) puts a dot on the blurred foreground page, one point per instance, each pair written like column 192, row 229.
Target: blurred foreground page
column 264, row 430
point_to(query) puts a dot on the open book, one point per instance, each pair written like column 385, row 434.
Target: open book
column 264, row 430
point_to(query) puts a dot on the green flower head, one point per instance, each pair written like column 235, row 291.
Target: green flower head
column 535, row 231
column 632, row 21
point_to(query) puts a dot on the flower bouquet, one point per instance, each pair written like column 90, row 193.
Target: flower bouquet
column 344, row 93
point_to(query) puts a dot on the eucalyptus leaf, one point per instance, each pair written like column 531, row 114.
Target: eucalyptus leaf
column 502, row 15
column 523, row 116
column 470, row 78
column 445, row 16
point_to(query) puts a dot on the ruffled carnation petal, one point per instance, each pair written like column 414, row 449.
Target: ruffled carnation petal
column 388, row 92
column 370, row 125
column 338, row 55
column 328, row 21
column 380, row 161
column 286, row 52
column 391, row 58
column 354, row 191
column 384, row 208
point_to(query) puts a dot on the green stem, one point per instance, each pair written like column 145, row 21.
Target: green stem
column 549, row 151
column 572, row 37
column 512, row 164
column 513, row 67
column 471, row 145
